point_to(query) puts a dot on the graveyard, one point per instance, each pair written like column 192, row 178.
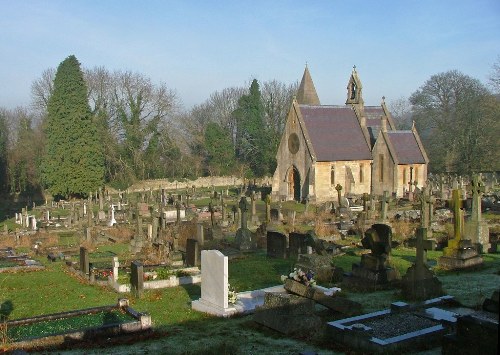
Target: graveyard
column 219, row 267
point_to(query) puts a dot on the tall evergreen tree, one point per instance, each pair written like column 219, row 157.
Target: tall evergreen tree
column 74, row 161
column 3, row 153
column 252, row 136
column 219, row 150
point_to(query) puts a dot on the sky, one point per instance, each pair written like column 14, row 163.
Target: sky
column 199, row 47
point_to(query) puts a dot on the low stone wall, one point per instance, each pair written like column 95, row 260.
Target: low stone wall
column 207, row 181
column 157, row 284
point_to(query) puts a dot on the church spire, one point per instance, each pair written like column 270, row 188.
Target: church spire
column 306, row 95
column 354, row 89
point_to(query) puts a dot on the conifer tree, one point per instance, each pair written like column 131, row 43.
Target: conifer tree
column 74, row 161
column 252, row 139
column 3, row 153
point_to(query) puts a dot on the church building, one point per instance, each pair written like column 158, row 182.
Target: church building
column 355, row 146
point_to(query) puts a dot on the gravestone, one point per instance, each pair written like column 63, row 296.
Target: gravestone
column 276, row 245
column 476, row 228
column 297, row 244
column 254, row 218
column 268, row 208
column 374, row 270
column 245, row 239
column 214, row 285
column 384, row 206
column 419, row 282
column 460, row 252
column 112, row 220
column 192, row 252
column 115, row 265
column 288, row 314
column 143, row 209
column 84, row 260
column 200, row 234
column 137, row 278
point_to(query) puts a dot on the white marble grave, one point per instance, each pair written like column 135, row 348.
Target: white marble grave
column 214, row 285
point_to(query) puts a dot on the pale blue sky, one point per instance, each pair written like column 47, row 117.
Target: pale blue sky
column 198, row 47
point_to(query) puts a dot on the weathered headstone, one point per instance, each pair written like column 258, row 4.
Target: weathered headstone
column 288, row 314
column 192, row 252
column 460, row 253
column 419, row 282
column 297, row 244
column 476, row 228
column 374, row 269
column 200, row 235
column 276, row 245
column 137, row 278
column 384, row 206
column 115, row 265
column 245, row 240
column 84, row 260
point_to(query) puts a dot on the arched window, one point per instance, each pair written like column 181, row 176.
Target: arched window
column 332, row 176
column 361, row 173
column 381, row 167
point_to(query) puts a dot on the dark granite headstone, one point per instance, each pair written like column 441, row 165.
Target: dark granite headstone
column 297, row 244
column 84, row 260
column 137, row 278
column 192, row 252
column 276, row 245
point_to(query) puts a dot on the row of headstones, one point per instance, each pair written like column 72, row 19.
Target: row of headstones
column 279, row 246
column 136, row 273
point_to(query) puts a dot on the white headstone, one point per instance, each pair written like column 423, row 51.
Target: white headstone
column 214, row 284
column 116, row 264
column 33, row 223
column 84, row 209
column 112, row 221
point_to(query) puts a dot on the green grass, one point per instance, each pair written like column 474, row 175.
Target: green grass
column 257, row 271
column 53, row 290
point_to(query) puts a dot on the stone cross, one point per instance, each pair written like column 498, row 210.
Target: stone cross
column 421, row 259
column 252, row 199
column 477, row 189
column 425, row 207
column 243, row 205
column 339, row 194
column 458, row 214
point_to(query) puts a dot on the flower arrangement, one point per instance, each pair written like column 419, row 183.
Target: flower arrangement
column 305, row 278
column 232, row 296
column 102, row 274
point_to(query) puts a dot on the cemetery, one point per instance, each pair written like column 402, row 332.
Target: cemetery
column 373, row 273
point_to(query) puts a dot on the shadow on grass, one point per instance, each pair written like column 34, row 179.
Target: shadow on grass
column 193, row 291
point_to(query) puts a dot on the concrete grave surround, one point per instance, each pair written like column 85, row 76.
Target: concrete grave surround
column 214, row 285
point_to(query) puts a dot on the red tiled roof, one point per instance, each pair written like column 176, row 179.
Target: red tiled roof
column 406, row 146
column 373, row 114
column 335, row 133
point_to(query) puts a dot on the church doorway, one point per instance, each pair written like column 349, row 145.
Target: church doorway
column 293, row 184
